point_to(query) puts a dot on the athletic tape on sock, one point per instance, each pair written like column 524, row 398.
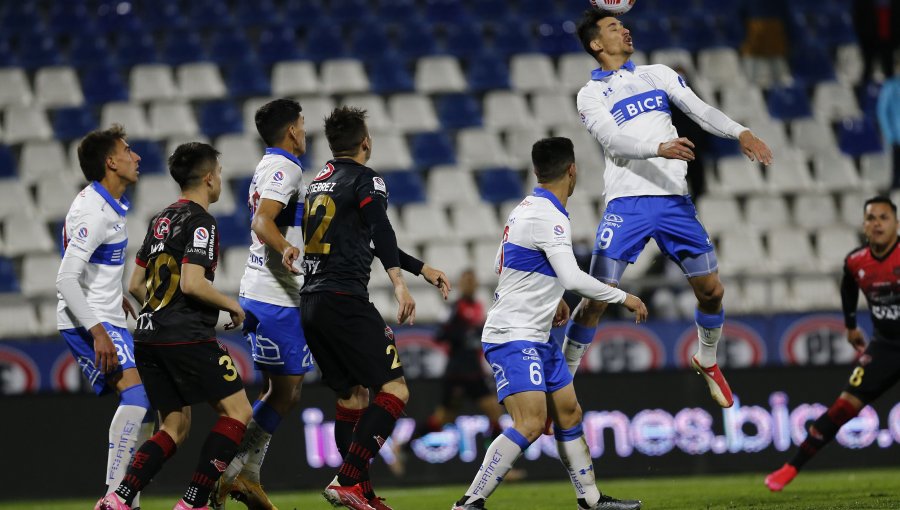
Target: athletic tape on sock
column 581, row 334
column 565, row 435
column 516, row 437
column 135, row 396
column 266, row 417
column 709, row 321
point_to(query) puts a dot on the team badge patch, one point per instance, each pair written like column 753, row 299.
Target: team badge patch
column 559, row 230
column 82, row 233
column 379, row 184
column 161, row 228
column 325, row 172
column 201, row 237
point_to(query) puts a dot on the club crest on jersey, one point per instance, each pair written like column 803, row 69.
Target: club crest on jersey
column 389, row 333
column 559, row 230
column 379, row 184
column 201, row 237
column 325, row 172
column 161, row 228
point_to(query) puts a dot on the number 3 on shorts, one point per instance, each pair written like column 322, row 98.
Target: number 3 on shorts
column 229, row 365
column 535, row 372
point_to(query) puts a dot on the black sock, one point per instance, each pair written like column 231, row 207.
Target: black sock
column 344, row 423
column 220, row 447
column 144, row 465
column 823, row 430
column 373, row 429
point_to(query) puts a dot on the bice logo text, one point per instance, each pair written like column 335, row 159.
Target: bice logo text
column 631, row 107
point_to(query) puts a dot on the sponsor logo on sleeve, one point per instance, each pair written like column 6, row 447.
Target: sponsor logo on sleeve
column 82, row 233
column 201, row 237
column 559, row 230
column 379, row 184
column 277, row 179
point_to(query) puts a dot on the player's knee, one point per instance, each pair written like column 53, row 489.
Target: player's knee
column 711, row 297
column 398, row 389
column 532, row 426
column 589, row 312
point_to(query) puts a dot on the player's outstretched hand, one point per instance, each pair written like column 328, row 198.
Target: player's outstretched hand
column 679, row 148
column 406, row 309
column 289, row 256
column 857, row 339
column 105, row 357
column 128, row 308
column 437, row 278
column 562, row 313
column 237, row 318
column 754, row 148
column 637, row 306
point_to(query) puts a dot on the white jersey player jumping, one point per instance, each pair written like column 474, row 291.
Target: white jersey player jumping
column 627, row 109
column 92, row 307
column 536, row 265
column 270, row 295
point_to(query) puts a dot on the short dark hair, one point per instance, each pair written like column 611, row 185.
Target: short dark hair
column 880, row 199
column 273, row 118
column 95, row 148
column 587, row 27
column 191, row 162
column 551, row 157
column 345, row 129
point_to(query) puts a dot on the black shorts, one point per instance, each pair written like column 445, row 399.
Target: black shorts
column 876, row 371
column 349, row 341
column 178, row 375
column 455, row 389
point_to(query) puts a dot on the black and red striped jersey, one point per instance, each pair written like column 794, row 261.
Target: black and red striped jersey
column 879, row 280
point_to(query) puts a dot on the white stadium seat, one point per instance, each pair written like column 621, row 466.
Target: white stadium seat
column 201, row 80
column 26, row 123
column 377, row 118
column 172, row 119
column 14, row 87
column 452, row 258
column 249, row 107
column 789, row 172
column 674, row 58
column 56, row 87
column 42, row 160
column 295, row 78
column 835, row 173
column 430, row 306
column 344, row 76
column 719, row 213
column 239, row 154
column 767, row 212
column 773, row 132
column 483, row 255
column 390, row 152
column 789, row 250
column 833, row 101
column 852, row 205
column 47, row 324
column 745, row 104
column 480, row 148
column 14, row 199
column 39, row 275
column 815, row 293
column 738, row 175
column 18, row 318
column 54, row 196
column 849, row 64
column 833, row 244
column 532, row 72
column 473, row 222
column 452, row 186
column 439, row 75
column 876, row 170
column 506, row 109
column 721, row 66
column 174, row 141
column 26, row 235
column 575, row 71
column 425, row 222
column 152, row 82
column 413, row 113
column 741, row 252
column 315, row 109
column 130, row 115
column 230, row 272
column 519, row 141
column 588, row 154
column 813, row 136
column 814, row 211
column 553, row 109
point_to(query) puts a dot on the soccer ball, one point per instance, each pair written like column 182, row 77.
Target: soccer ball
column 613, row 6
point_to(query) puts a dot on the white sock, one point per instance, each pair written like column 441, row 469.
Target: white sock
column 250, row 455
column 576, row 457
column 706, row 347
column 123, row 435
column 498, row 460
column 144, row 434
column 573, row 352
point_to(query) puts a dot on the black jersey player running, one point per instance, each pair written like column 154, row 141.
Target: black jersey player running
column 345, row 226
column 872, row 268
column 176, row 350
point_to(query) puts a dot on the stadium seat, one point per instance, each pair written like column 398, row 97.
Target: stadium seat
column 852, row 204
column 452, row 258
column 57, row 86
column 475, row 221
column 719, row 213
column 14, row 199
column 41, row 160
column 294, row 78
column 876, row 170
column 484, row 254
column 130, row 115
column 377, row 118
column 390, row 152
column 71, row 18
column 789, row 250
column 859, row 136
column 439, row 74
column 14, row 87
column 833, row 243
column 388, row 74
column 315, row 109
column 26, row 123
column 150, row 195
column 849, row 64
column 424, row 222
column 248, row 79
column 73, row 122
column 219, row 118
column 18, row 319
column 414, row 113
column 231, row 268
column 812, row 211
column 833, row 101
column 814, row 293
column 575, row 71
column 744, row 104
column 7, row 162
column 480, row 148
column 506, row 109
column 741, row 252
column 416, row 41
column 773, row 132
column 675, row 58
column 766, row 212
column 533, row 73
column 26, row 235
column 103, row 84
column 487, row 72
column 240, row 154
column 835, row 172
column 432, row 149
column 465, row 40
column 721, row 66
column 810, row 63
column 234, row 230
column 556, row 37
column 39, row 51
column 228, row 46
column 518, row 143
column 512, row 39
column 278, row 44
column 552, row 109
column 813, row 136
column 737, row 175
column 787, row 103
column 172, row 118
column 39, row 275
column 200, row 80
column 319, row 151
column 458, row 111
column 344, row 76
column 583, row 214
column 136, row 49
column 87, row 51
column 152, row 82
column 450, row 185
column 789, row 172
column 404, row 188
column 499, row 184
column 152, row 159
column 588, row 154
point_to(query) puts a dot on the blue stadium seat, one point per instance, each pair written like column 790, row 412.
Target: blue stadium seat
column 404, row 187
column 487, row 72
column 230, row 45
column 40, row 51
column 247, row 79
column 325, row 45
column 89, row 51
column 788, row 103
column 811, row 63
column 651, row 33
column 139, row 49
column 432, row 149
column 400, row 12
column 458, row 111
column 389, row 74
column 416, row 41
column 183, row 46
column 370, row 42
column 7, row 162
column 71, row 18
column 22, row 18
column 557, row 36
column 446, row 11
column 152, row 159
column 73, row 122
column 307, row 13
column 205, row 14
column 278, row 43
column 8, row 57
column 103, row 84
column 513, row 39
column 723, row 147
column 859, row 136
column 234, row 230
column 163, row 15
column 350, row 11
column 465, row 41
column 240, row 188
column 258, row 13
column 491, row 10
column 499, row 185
column 220, row 118
column 868, row 98
column 536, row 9
column 8, row 280
column 113, row 17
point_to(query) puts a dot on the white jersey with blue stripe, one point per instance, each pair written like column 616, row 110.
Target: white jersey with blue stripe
column 278, row 177
column 95, row 232
column 629, row 112
column 528, row 291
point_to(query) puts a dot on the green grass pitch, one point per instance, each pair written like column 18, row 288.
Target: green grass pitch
column 813, row 490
